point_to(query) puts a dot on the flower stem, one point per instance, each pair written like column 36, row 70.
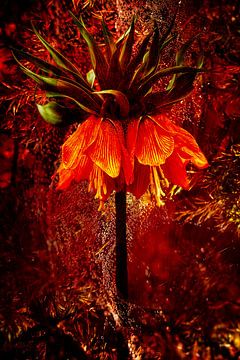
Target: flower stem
column 121, row 246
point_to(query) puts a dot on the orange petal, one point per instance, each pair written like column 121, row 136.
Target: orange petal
column 65, row 178
column 154, row 145
column 184, row 142
column 132, row 133
column 188, row 148
column 165, row 123
column 105, row 152
column 141, row 180
column 196, row 157
column 83, row 169
column 83, row 137
column 175, row 170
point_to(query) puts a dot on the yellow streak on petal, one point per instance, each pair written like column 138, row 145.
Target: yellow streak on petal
column 105, row 152
column 154, row 145
column 75, row 145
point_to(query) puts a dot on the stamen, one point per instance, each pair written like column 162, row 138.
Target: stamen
column 104, row 189
column 97, row 185
column 155, row 186
column 101, row 205
column 163, row 179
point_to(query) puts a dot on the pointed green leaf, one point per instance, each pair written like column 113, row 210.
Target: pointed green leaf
column 43, row 65
column 182, row 88
column 127, row 47
column 180, row 57
column 64, row 87
column 56, row 55
column 82, row 106
column 122, row 37
column 165, row 44
column 132, row 68
column 153, row 56
column 141, row 53
column 182, row 52
column 200, row 62
column 138, row 74
column 111, row 47
column 98, row 60
column 169, row 29
column 114, row 74
column 144, row 88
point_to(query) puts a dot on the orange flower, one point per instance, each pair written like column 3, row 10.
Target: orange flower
column 161, row 152
column 127, row 142
column 154, row 151
column 96, row 152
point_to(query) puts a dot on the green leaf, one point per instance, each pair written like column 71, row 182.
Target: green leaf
column 82, row 106
column 114, row 74
column 200, row 62
column 165, row 36
column 121, row 99
column 165, row 44
column 111, row 47
column 144, row 88
column 51, row 112
column 126, row 51
column 122, row 37
column 91, row 77
column 131, row 71
column 180, row 57
column 56, row 55
column 182, row 88
column 49, row 69
column 182, row 52
column 153, row 55
column 98, row 60
column 43, row 65
column 64, row 87
column 141, row 52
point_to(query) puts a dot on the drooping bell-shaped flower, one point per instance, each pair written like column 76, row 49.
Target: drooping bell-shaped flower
column 127, row 142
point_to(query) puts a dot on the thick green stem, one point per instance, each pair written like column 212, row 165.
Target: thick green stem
column 121, row 246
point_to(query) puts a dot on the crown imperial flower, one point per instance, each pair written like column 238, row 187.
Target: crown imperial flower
column 127, row 141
